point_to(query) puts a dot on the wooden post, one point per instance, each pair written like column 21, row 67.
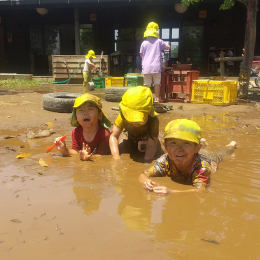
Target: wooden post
column 222, row 67
column 77, row 44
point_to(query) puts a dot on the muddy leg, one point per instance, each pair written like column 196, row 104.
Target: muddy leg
column 217, row 158
column 228, row 150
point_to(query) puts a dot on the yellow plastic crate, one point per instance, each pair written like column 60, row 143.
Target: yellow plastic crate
column 215, row 92
column 114, row 82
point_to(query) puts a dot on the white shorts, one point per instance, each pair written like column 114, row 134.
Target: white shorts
column 154, row 78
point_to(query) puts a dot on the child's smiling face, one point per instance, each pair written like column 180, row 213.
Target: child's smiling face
column 88, row 115
column 181, row 151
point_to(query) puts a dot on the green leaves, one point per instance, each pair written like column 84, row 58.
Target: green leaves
column 188, row 2
column 226, row 5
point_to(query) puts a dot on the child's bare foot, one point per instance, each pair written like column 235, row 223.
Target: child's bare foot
column 204, row 143
column 232, row 146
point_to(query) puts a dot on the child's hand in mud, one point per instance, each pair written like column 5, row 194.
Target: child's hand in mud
column 162, row 190
column 149, row 185
column 61, row 145
column 85, row 154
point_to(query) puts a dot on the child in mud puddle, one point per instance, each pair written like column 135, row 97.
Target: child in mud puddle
column 140, row 123
column 88, row 66
column 183, row 162
column 91, row 134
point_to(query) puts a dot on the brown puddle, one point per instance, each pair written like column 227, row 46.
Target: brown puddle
column 98, row 210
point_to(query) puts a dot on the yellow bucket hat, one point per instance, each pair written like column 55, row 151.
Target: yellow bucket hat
column 90, row 54
column 183, row 129
column 152, row 29
column 94, row 100
column 137, row 104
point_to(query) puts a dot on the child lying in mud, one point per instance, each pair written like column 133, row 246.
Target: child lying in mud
column 140, row 122
column 183, row 162
column 91, row 134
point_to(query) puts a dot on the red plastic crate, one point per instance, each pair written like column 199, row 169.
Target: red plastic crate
column 173, row 86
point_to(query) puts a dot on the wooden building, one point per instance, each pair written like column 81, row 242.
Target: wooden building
column 31, row 31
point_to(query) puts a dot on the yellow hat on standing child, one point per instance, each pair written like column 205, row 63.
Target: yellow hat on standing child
column 90, row 54
column 152, row 30
column 183, row 129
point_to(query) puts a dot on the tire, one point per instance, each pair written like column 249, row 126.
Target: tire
column 59, row 102
column 114, row 94
column 257, row 82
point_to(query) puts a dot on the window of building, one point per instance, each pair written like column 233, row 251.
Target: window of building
column 86, row 38
column 171, row 37
column 124, row 40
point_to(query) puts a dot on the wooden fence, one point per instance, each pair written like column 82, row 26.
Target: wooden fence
column 64, row 66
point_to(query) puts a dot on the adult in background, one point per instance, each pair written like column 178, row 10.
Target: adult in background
column 151, row 54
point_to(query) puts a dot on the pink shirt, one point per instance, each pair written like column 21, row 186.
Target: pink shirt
column 101, row 140
column 151, row 49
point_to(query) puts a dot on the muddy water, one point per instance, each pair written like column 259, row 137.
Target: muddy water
column 98, row 210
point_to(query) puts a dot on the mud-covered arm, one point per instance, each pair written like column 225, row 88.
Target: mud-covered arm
column 153, row 133
column 151, row 147
column 113, row 142
column 62, row 147
column 147, row 183
column 157, row 170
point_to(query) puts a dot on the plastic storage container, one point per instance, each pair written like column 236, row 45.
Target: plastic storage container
column 131, row 80
column 114, row 82
column 221, row 93
column 100, row 82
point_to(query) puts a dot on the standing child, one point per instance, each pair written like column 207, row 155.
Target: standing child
column 183, row 162
column 88, row 66
column 140, row 122
column 151, row 54
column 91, row 134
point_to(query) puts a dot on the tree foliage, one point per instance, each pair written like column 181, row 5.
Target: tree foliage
column 226, row 5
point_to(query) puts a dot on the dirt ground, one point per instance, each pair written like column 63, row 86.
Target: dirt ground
column 71, row 209
column 24, row 110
